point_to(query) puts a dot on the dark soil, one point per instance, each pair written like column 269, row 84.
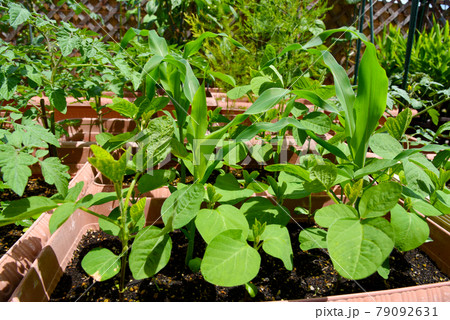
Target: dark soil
column 313, row 276
column 8, row 236
column 11, row 233
column 35, row 187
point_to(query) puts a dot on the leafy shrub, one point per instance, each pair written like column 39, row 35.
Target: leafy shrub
column 265, row 28
column 429, row 54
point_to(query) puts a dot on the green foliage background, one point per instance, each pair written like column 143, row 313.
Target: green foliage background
column 256, row 24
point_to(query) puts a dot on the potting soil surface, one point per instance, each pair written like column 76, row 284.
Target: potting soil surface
column 313, row 276
column 11, row 233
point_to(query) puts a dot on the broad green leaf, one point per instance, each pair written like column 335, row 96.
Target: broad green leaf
column 103, row 138
column 417, row 179
column 198, row 113
column 442, row 201
column 344, row 91
column 16, row 171
column 74, row 192
column 190, row 81
column 237, row 153
column 326, row 216
column 137, row 210
column 326, row 174
column 290, row 168
column 426, row 208
column 151, row 64
column 17, row 15
column 157, row 44
column 128, row 36
column 260, row 84
column 410, row 230
column 415, row 151
column 378, row 200
column 148, row 108
column 229, row 261
column 264, row 210
column 359, row 247
column 150, row 252
column 315, row 99
column 257, row 187
column 57, row 99
column 261, row 152
column 97, row 199
column 178, row 149
column 320, row 124
column 105, row 163
column 224, row 77
column 230, row 189
column 124, row 107
column 443, row 128
column 127, row 72
column 385, row 146
column 183, row 205
column 384, row 269
column 397, row 126
column 295, row 186
column 370, row 103
column 193, row 46
column 60, row 215
column 238, row 92
column 156, row 141
column 67, row 43
column 155, row 179
column 36, row 130
column 375, row 166
column 327, row 146
column 101, row 264
column 26, row 208
column 212, row 222
column 33, row 74
column 56, row 173
column 109, row 227
column 312, row 238
column 251, row 289
column 267, row 100
column 277, row 243
column 320, row 38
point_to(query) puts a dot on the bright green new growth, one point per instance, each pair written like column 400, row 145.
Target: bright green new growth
column 363, row 111
column 359, row 240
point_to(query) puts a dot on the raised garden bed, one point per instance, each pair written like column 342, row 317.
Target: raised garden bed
column 313, row 276
column 41, row 281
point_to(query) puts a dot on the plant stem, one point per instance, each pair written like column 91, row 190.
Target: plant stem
column 183, row 167
column 100, row 216
column 333, row 196
column 431, row 107
column 52, row 148
column 310, row 208
column 44, row 114
column 98, row 105
column 191, row 243
column 123, row 235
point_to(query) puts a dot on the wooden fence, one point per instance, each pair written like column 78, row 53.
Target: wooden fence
column 112, row 24
column 115, row 21
column 385, row 12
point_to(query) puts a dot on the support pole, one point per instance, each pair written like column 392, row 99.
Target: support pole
column 358, row 43
column 372, row 38
column 409, row 44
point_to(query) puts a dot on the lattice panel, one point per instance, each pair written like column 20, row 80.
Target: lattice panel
column 342, row 14
column 109, row 10
column 384, row 13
